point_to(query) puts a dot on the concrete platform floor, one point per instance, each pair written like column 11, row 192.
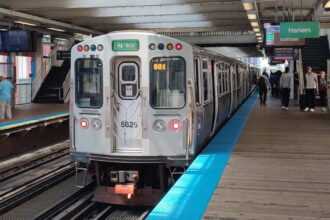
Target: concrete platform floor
column 26, row 111
column 280, row 169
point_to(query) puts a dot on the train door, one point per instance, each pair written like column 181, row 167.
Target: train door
column 199, row 107
column 214, row 72
column 231, row 88
column 127, row 105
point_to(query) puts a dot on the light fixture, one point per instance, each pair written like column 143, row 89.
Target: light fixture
column 254, row 24
column 252, row 16
column 259, row 38
column 256, row 30
column 25, row 23
column 327, row 5
column 258, row 34
column 3, row 29
column 248, row 6
column 58, row 38
column 56, row 29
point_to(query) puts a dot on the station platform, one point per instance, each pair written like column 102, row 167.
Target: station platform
column 276, row 167
column 32, row 113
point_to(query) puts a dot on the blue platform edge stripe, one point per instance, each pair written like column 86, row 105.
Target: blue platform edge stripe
column 190, row 195
column 32, row 120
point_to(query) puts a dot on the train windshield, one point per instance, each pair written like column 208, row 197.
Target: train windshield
column 167, row 82
column 88, row 83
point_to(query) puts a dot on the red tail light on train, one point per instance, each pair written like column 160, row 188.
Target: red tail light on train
column 175, row 125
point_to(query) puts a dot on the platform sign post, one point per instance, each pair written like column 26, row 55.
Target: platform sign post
column 300, row 29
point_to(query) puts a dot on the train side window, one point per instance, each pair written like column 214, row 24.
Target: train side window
column 197, row 71
column 220, row 88
column 205, row 81
column 88, row 82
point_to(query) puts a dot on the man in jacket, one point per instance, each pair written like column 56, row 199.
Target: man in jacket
column 285, row 86
column 5, row 97
column 263, row 86
column 311, row 88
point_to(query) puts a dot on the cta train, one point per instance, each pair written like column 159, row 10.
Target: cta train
column 143, row 106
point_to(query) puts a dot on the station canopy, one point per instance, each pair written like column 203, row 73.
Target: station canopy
column 203, row 22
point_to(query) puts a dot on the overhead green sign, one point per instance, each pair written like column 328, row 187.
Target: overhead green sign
column 300, row 30
column 125, row 45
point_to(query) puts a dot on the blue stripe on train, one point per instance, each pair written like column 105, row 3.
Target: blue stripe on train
column 190, row 195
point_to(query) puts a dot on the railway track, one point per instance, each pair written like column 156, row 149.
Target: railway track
column 84, row 208
column 24, row 177
column 42, row 186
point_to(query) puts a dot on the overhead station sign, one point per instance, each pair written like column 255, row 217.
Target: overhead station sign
column 286, row 54
column 300, row 30
column 273, row 39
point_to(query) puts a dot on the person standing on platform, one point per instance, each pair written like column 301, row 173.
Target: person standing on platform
column 323, row 90
column 272, row 81
column 285, row 86
column 311, row 88
column 5, row 97
column 263, row 86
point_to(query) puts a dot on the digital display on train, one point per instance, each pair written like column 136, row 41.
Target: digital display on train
column 125, row 45
column 160, row 66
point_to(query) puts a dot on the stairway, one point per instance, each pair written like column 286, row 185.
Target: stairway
column 315, row 54
column 51, row 89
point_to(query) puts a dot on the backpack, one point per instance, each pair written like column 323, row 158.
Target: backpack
column 272, row 78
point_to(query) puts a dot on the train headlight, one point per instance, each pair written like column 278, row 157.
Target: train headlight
column 161, row 46
column 84, row 123
column 175, row 125
column 96, row 124
column 86, row 48
column 159, row 125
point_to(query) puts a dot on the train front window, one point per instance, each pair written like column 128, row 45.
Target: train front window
column 88, row 74
column 167, row 82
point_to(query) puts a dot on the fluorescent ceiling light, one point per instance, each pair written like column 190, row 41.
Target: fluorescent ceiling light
column 252, row 16
column 258, row 34
column 58, row 38
column 248, row 6
column 3, row 29
column 254, row 24
column 327, row 5
column 25, row 23
column 259, row 38
column 56, row 29
column 256, row 30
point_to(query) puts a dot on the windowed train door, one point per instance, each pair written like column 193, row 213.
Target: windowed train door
column 127, row 105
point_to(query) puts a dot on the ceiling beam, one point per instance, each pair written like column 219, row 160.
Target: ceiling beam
column 78, row 4
column 46, row 21
column 201, row 29
column 194, row 24
column 159, row 18
column 140, row 11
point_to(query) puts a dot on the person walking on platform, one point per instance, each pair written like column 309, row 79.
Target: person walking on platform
column 310, row 90
column 263, row 86
column 323, row 90
column 5, row 97
column 272, row 81
column 285, row 86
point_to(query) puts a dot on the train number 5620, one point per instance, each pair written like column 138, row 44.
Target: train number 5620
column 128, row 124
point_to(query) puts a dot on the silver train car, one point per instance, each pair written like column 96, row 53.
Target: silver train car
column 143, row 106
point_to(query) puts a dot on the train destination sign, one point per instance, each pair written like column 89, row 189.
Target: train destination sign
column 300, row 30
column 125, row 45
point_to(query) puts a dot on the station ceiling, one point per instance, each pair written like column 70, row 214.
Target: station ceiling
column 215, row 22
